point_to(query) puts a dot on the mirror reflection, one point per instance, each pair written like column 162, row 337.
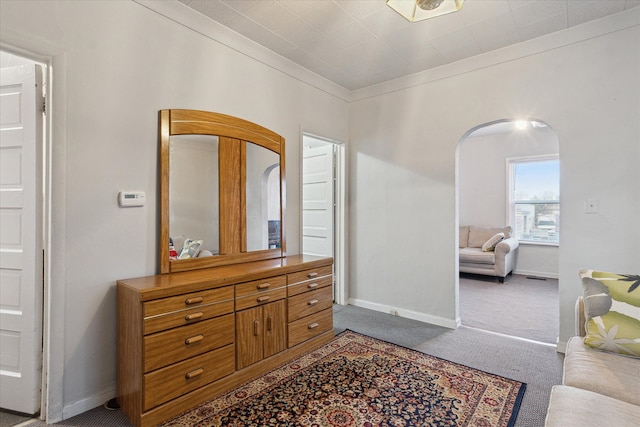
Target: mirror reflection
column 194, row 196
column 262, row 198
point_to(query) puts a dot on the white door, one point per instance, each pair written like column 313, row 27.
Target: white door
column 317, row 199
column 20, row 238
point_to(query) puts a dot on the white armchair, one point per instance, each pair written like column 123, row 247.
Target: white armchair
column 489, row 251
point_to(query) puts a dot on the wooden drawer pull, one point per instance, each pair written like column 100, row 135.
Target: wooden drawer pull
column 312, row 302
column 194, row 373
column 193, row 316
column 193, row 340
column 262, row 286
column 256, row 328
column 264, row 298
column 313, row 325
column 194, row 300
column 269, row 322
column 312, row 274
column 312, row 285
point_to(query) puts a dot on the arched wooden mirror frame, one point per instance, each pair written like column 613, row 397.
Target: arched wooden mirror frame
column 233, row 133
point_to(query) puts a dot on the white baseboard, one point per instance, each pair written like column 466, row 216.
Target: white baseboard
column 537, row 274
column 409, row 314
column 88, row 403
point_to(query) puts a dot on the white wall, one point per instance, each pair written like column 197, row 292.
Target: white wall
column 115, row 65
column 482, row 186
column 583, row 82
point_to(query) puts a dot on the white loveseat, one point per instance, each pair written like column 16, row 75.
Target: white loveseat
column 598, row 388
column 498, row 261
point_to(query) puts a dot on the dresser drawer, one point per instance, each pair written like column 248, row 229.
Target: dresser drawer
column 261, row 298
column 177, row 344
column 165, row 384
column 186, row 317
column 260, row 286
column 310, row 302
column 308, row 327
column 186, row 301
column 314, row 273
column 309, row 285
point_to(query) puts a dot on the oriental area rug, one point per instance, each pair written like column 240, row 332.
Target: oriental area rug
column 356, row 380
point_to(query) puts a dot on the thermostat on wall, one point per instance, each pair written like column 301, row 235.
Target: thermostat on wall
column 131, row 198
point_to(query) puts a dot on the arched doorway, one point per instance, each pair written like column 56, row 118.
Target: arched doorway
column 526, row 305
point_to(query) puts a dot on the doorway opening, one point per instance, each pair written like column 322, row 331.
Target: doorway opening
column 323, row 195
column 23, row 231
column 526, row 305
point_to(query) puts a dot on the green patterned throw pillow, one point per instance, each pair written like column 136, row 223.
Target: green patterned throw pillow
column 612, row 310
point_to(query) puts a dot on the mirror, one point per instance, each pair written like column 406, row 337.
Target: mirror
column 220, row 191
column 193, row 194
column 263, row 198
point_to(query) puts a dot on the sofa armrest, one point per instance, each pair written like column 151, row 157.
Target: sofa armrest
column 506, row 253
column 506, row 246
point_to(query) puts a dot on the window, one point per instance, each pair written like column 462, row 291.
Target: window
column 534, row 199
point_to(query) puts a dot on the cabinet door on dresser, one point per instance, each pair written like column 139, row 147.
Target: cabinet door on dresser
column 260, row 332
column 248, row 337
column 261, row 319
column 275, row 324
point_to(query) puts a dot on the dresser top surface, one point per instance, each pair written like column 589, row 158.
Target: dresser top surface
column 162, row 285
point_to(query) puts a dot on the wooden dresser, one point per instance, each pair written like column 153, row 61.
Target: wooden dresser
column 184, row 338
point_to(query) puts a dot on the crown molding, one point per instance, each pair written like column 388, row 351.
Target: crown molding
column 183, row 15
column 579, row 33
column 189, row 18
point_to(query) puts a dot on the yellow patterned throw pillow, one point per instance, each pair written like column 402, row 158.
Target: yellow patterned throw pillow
column 612, row 309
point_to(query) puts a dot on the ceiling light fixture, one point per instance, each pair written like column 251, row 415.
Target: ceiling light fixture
column 417, row 10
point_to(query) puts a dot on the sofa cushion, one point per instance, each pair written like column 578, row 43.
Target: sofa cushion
column 476, row 256
column 479, row 235
column 571, row 406
column 606, row 373
column 612, row 310
column 463, row 236
column 490, row 244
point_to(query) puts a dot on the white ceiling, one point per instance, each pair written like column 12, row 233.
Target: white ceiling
column 359, row 43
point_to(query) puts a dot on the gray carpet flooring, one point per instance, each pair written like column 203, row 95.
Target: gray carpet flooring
column 8, row 419
column 534, row 363
column 522, row 307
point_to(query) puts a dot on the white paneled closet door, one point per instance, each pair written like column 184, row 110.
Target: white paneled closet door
column 21, row 238
column 317, row 200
